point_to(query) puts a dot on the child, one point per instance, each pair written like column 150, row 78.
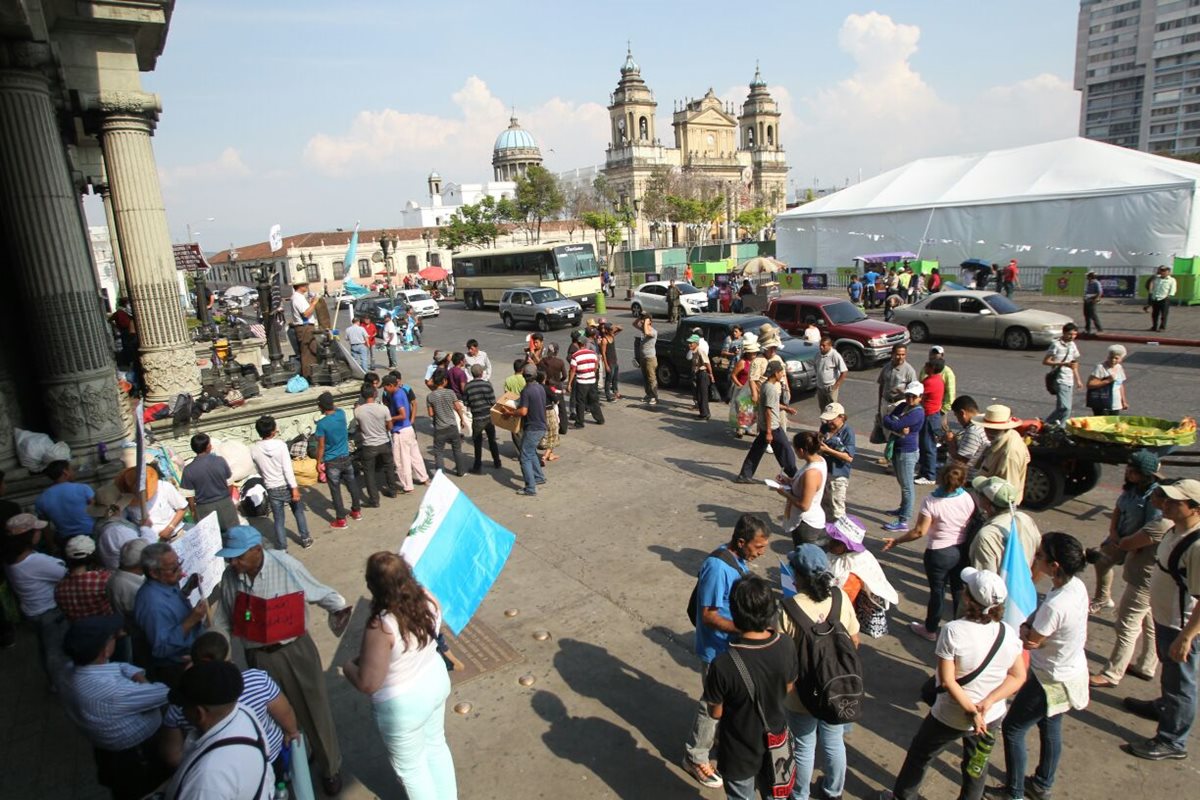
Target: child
column 274, row 464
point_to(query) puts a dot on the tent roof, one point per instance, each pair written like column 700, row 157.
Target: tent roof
column 1065, row 168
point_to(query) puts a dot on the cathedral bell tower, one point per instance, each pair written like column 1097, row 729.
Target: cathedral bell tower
column 759, row 127
column 632, row 108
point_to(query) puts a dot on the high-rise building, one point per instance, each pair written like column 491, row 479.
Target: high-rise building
column 1137, row 63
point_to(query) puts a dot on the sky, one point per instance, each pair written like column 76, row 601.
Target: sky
column 315, row 115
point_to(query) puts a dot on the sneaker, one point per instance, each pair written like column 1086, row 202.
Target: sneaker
column 307, row 543
column 1154, row 750
column 920, row 630
column 898, row 525
column 355, row 515
column 1098, row 606
column 653, row 401
column 744, row 479
column 1034, row 790
column 770, row 450
column 526, row 493
column 704, row 774
column 925, row 482
column 339, row 523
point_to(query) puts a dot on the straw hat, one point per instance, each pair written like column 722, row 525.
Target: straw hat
column 998, row 418
column 126, row 481
column 749, row 343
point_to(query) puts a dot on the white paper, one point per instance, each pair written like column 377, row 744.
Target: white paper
column 773, row 484
column 197, row 549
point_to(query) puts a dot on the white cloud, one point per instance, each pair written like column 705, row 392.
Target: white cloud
column 458, row 145
column 226, row 166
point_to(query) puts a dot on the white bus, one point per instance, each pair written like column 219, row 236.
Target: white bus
column 481, row 277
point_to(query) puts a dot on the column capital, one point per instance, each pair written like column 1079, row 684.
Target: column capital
column 123, row 104
column 27, row 55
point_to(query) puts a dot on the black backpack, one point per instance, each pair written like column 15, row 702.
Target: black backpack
column 831, row 675
column 1177, row 574
column 729, row 559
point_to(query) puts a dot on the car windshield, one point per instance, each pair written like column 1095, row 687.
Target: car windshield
column 1001, row 304
column 576, row 261
column 547, row 296
column 686, row 288
column 843, row 313
column 418, row 296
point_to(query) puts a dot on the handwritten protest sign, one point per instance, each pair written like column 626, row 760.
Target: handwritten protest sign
column 197, row 555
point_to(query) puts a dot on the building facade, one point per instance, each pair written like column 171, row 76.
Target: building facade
column 447, row 197
column 1137, row 63
column 515, row 152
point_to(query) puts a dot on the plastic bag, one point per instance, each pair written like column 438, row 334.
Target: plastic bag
column 35, row 451
column 297, row 384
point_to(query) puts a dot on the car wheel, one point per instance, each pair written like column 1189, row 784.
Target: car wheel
column 852, row 356
column 667, row 375
column 509, row 322
column 1044, row 486
column 1017, row 339
column 1082, row 477
column 636, row 308
column 918, row 331
column 543, row 324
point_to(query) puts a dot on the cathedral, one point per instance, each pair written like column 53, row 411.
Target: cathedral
column 712, row 143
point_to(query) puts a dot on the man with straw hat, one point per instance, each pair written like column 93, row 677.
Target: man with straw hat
column 159, row 509
column 304, row 311
column 1006, row 455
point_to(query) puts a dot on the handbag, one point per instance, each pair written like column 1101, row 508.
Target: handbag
column 1052, row 381
column 779, row 761
column 1100, row 398
column 877, row 434
column 930, row 689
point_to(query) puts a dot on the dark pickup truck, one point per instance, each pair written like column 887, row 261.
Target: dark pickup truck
column 674, row 366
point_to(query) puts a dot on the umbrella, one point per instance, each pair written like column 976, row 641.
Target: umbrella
column 238, row 291
column 975, row 263
column 759, row 265
column 434, row 274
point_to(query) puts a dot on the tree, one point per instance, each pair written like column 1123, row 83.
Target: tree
column 577, row 201
column 538, row 198
column 752, row 221
column 694, row 212
column 611, row 225
column 477, row 225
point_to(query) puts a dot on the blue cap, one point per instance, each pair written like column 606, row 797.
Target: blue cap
column 808, row 560
column 238, row 540
column 87, row 636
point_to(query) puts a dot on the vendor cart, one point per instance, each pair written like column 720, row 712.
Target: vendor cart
column 1065, row 461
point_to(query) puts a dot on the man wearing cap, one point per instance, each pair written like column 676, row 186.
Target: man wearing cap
column 116, row 707
column 967, row 445
column 837, row 445
column 904, row 422
column 770, row 428
column 1007, row 455
column 1173, row 592
column 831, row 373
column 33, row 576
column 163, row 614
column 1159, row 291
column 207, row 477
column 255, row 575
column 81, row 591
column 65, row 503
column 893, row 378
column 304, row 313
column 995, row 498
column 531, row 408
column 1134, row 531
column 1092, row 292
column 225, row 757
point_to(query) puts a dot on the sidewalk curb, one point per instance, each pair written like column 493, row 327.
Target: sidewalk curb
column 1137, row 338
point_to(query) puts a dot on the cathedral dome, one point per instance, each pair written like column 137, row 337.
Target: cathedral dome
column 514, row 137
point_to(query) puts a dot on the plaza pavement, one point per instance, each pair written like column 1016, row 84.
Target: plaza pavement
column 604, row 561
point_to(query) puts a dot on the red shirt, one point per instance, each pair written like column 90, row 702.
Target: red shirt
column 371, row 331
column 82, row 594
column 935, row 391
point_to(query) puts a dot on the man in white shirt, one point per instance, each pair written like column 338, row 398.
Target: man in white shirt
column 477, row 356
column 1159, row 291
column 391, row 339
column 164, row 507
column 274, row 464
column 304, row 310
column 225, row 757
column 1063, row 356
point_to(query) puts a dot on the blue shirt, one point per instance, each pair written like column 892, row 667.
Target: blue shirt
column 159, row 611
column 870, row 277
column 1134, row 510
column 65, row 504
column 855, row 290
column 715, row 583
column 332, row 428
column 843, row 440
column 399, row 400
column 898, row 419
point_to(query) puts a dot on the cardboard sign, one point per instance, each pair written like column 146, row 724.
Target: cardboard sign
column 196, row 549
column 268, row 620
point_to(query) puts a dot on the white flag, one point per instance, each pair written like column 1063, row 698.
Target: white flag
column 276, row 238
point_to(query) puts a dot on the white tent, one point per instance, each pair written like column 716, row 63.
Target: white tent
column 1072, row 202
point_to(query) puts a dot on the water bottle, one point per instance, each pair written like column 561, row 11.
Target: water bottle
column 281, row 792
column 979, row 758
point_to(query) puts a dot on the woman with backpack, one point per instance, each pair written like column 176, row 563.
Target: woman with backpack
column 1058, row 667
column 980, row 664
column 814, row 604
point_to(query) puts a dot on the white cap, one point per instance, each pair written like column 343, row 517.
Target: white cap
column 916, row 387
column 986, row 587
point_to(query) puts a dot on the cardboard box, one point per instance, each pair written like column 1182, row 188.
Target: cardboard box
column 500, row 419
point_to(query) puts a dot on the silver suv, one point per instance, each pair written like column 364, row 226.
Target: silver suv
column 538, row 306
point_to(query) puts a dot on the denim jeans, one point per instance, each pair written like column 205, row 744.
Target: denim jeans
column 927, row 462
column 531, row 463
column 1062, row 403
column 809, row 733
column 336, row 471
column 1028, row 708
column 51, row 627
column 904, row 464
column 361, row 355
column 943, row 566
column 610, row 383
column 704, row 733
column 745, row 789
column 1177, row 708
column 281, row 497
column 931, row 738
column 413, row 727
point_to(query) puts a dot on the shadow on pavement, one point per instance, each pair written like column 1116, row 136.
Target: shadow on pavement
column 688, row 559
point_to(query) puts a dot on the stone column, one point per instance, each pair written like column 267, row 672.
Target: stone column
column 168, row 358
column 110, row 222
column 67, row 351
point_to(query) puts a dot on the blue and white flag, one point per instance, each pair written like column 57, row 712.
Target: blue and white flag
column 787, row 578
column 354, row 288
column 456, row 551
column 1014, row 569
column 351, row 250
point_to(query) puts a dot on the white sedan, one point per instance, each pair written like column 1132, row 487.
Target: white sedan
column 652, row 298
column 419, row 300
column 971, row 314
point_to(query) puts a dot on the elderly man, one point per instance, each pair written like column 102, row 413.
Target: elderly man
column 163, row 614
column 113, row 530
column 1006, row 455
column 995, row 499
column 256, row 579
column 1159, row 291
column 115, row 707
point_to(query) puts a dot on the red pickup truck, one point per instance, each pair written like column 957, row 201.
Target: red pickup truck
column 862, row 341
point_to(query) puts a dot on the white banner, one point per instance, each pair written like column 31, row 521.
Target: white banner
column 197, row 550
column 276, row 238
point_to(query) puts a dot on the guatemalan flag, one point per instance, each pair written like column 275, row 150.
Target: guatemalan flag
column 456, row 551
column 351, row 250
column 1014, row 569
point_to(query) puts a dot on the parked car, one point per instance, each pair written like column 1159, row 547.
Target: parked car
column 672, row 351
column 376, row 306
column 862, row 341
column 652, row 298
column 979, row 315
column 538, row 306
column 419, row 300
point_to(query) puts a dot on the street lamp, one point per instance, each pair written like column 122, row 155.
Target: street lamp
column 428, row 237
column 387, row 243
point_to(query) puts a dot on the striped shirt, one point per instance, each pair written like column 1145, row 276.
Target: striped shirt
column 480, row 397
column 258, row 691
column 585, row 362
column 114, row 711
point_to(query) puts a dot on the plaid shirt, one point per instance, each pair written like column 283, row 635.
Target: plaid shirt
column 83, row 594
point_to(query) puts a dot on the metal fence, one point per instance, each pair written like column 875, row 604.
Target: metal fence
column 1030, row 278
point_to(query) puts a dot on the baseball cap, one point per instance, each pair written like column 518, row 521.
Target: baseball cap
column 808, row 560
column 916, row 387
column 693, row 339
column 986, row 587
column 1188, row 489
column 529, row 371
column 87, row 636
column 937, row 348
column 833, row 411
column 1145, row 462
column 997, row 490
column 23, row 523
column 79, row 547
column 238, row 540
column 209, row 683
